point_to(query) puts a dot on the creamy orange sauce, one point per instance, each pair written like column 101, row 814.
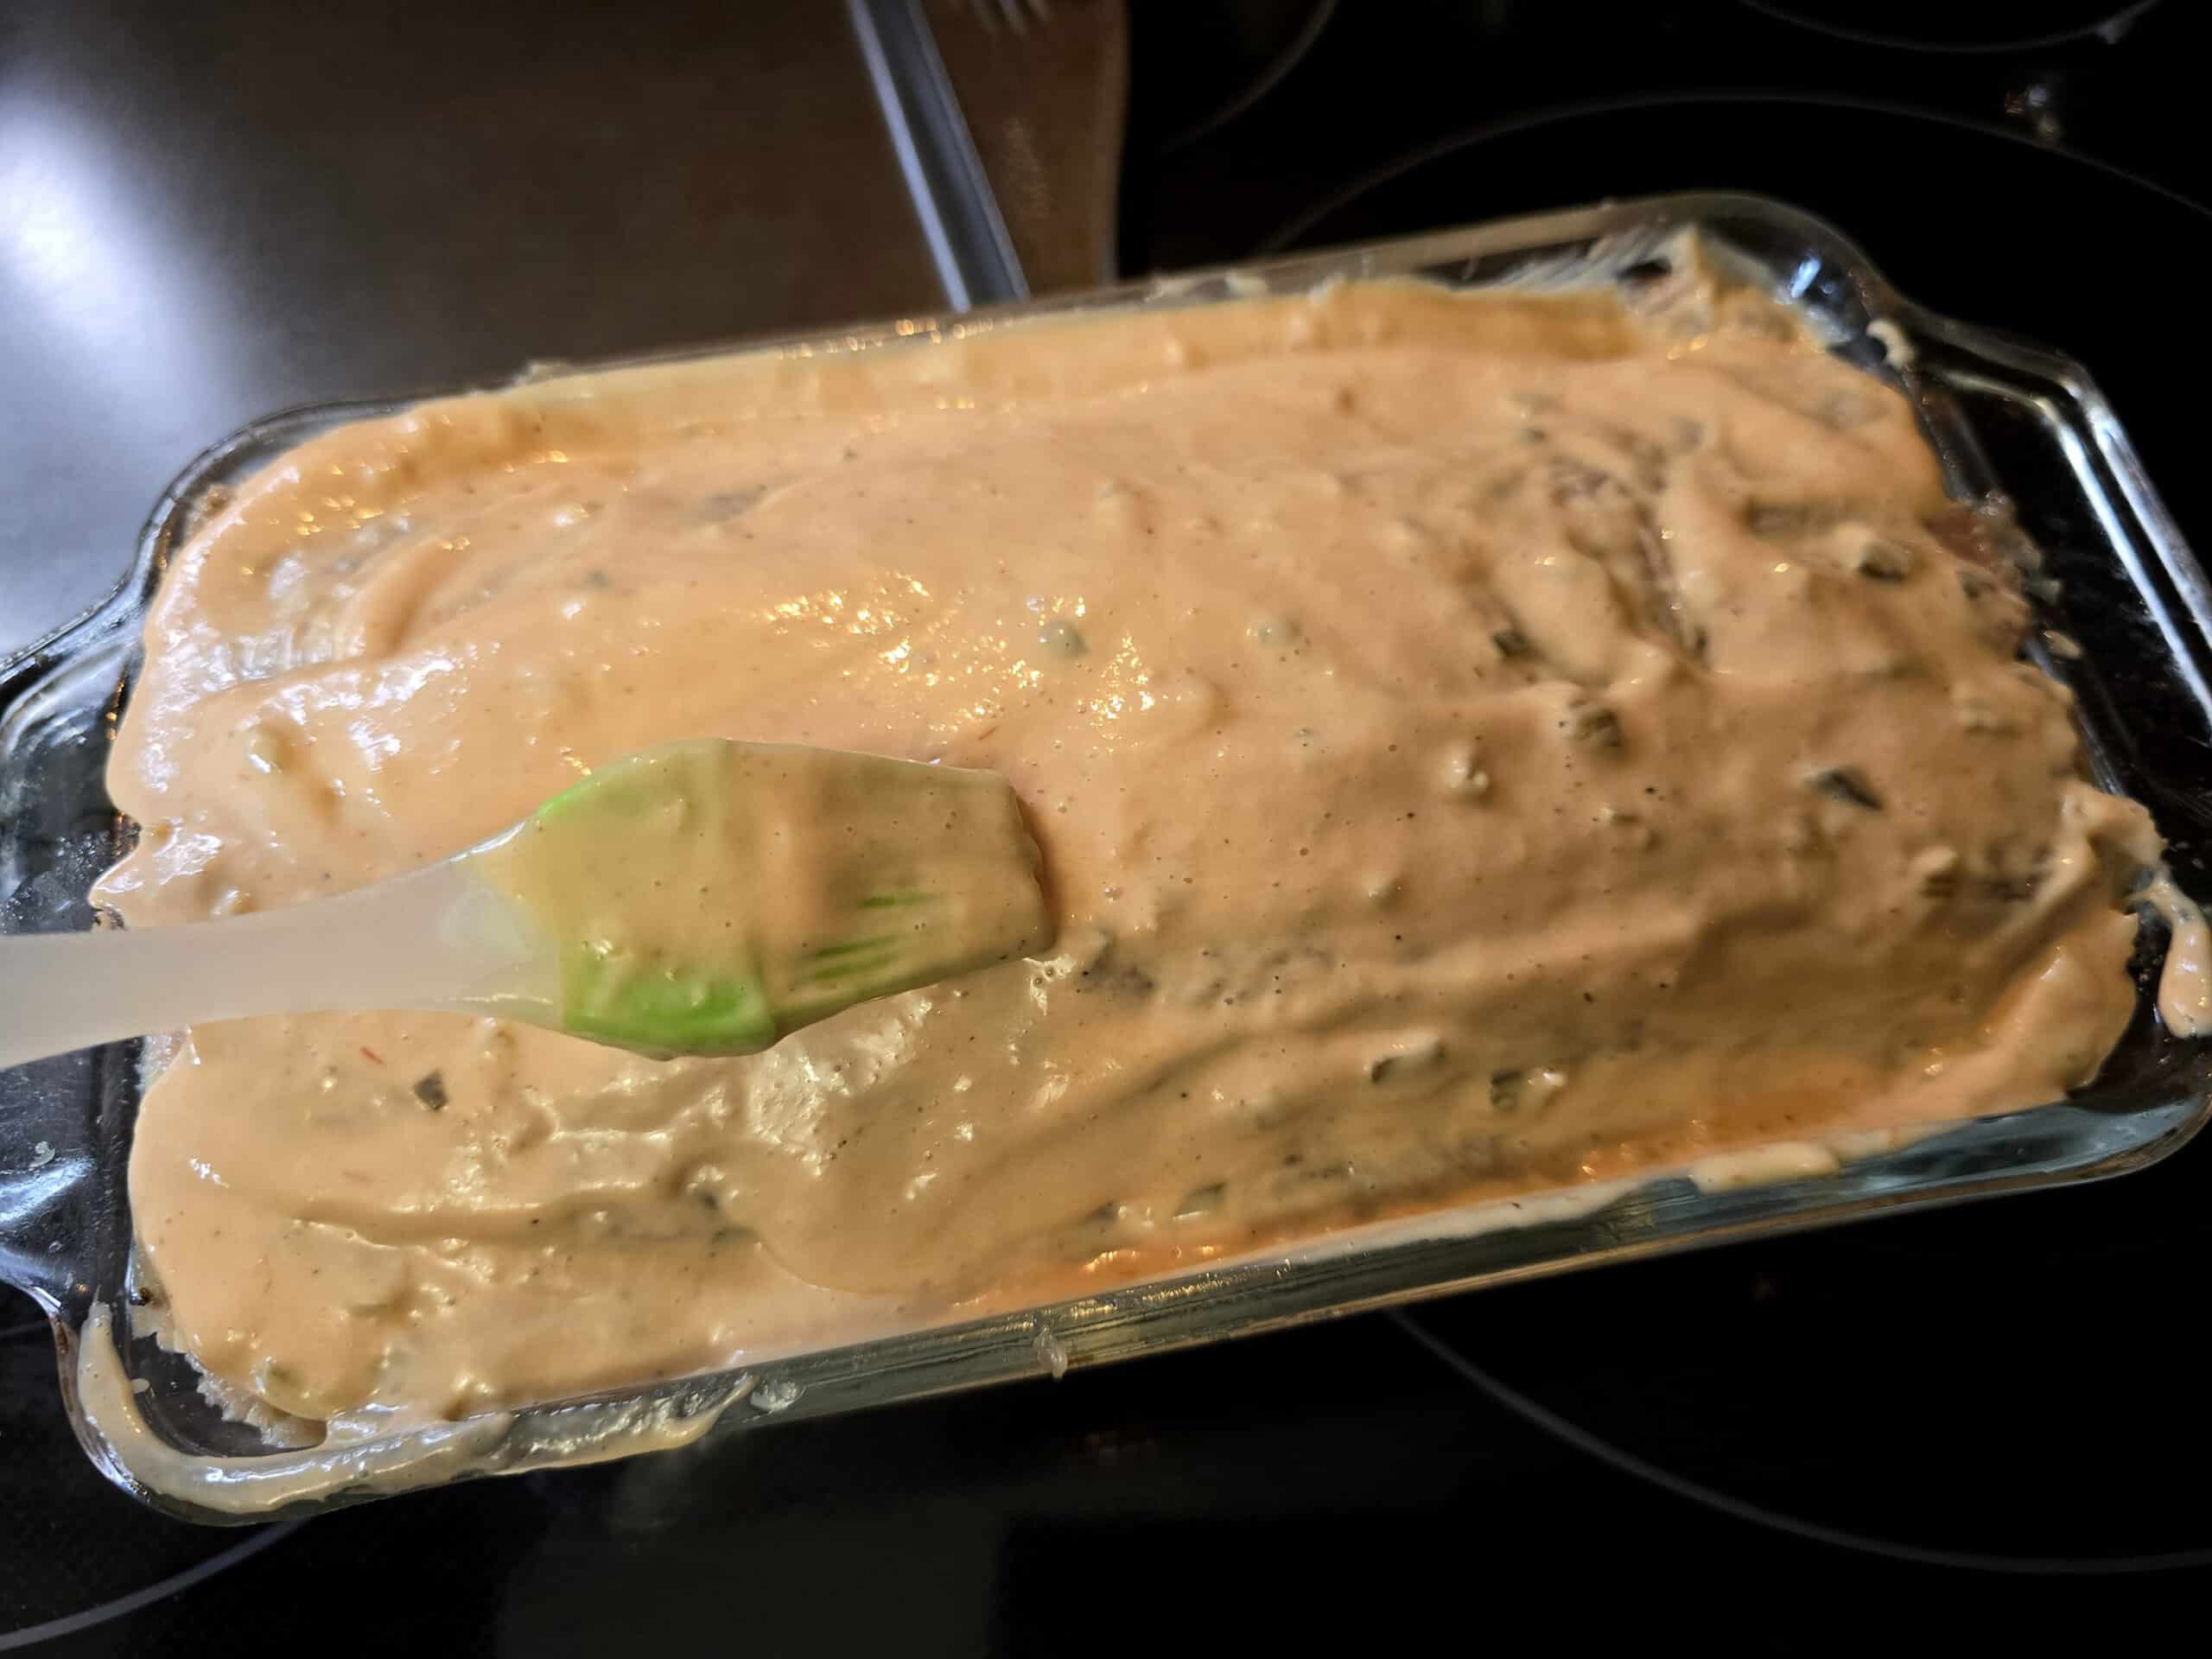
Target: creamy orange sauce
column 1478, row 744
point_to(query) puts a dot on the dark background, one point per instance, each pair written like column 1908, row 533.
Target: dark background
column 210, row 212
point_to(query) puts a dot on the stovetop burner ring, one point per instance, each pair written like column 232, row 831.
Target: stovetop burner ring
column 1916, row 27
column 1625, row 1462
column 1291, row 234
column 177, row 1583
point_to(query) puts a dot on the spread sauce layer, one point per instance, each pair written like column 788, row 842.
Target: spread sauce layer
column 1477, row 743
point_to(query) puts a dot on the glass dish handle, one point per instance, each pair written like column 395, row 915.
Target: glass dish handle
column 50, row 1183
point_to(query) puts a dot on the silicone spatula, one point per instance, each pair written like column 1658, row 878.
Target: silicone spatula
column 707, row 897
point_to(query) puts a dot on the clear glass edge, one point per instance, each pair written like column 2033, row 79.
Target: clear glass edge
column 1664, row 1213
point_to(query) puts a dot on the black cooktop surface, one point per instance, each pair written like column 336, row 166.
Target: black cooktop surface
column 1773, row 1444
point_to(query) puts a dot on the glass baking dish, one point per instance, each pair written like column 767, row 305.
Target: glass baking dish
column 2125, row 617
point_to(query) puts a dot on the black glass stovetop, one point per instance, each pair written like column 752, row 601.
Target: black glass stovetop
column 1797, row 1443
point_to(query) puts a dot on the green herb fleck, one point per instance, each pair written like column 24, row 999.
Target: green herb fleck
column 1847, row 785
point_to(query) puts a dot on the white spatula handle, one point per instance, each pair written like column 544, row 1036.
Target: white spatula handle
column 429, row 940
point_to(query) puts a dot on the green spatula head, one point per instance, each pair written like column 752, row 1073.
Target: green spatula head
column 707, row 897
